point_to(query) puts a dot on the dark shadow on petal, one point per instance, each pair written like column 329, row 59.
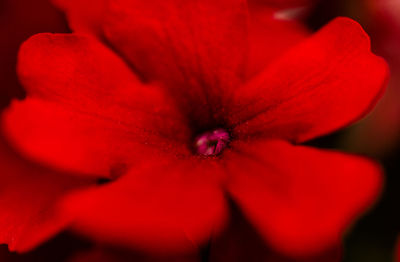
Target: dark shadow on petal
column 241, row 242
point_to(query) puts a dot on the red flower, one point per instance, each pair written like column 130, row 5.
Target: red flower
column 188, row 74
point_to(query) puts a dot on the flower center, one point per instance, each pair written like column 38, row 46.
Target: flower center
column 211, row 143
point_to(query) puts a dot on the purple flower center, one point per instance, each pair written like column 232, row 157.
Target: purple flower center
column 211, row 143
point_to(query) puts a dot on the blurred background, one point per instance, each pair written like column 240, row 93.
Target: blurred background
column 374, row 237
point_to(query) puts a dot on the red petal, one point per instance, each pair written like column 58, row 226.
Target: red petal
column 84, row 15
column 21, row 19
column 241, row 242
column 196, row 48
column 269, row 38
column 28, row 196
column 325, row 83
column 300, row 199
column 167, row 205
column 85, row 110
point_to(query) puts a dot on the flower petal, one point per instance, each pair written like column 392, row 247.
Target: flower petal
column 196, row 48
column 85, row 111
column 201, row 50
column 28, row 197
column 21, row 19
column 167, row 205
column 325, row 83
column 300, row 199
column 241, row 242
column 270, row 38
column 84, row 15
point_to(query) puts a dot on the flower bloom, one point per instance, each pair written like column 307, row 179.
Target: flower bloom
column 183, row 105
column 28, row 192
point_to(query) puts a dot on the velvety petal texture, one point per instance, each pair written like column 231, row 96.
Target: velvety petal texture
column 325, row 83
column 200, row 50
column 197, row 49
column 28, row 200
column 269, row 38
column 129, row 103
column 82, row 114
column 84, row 15
column 20, row 19
column 242, row 242
column 300, row 199
column 167, row 205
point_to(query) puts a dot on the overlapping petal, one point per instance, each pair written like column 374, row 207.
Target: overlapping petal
column 240, row 241
column 300, row 199
column 20, row 19
column 28, row 200
column 196, row 48
column 85, row 111
column 269, row 38
column 202, row 50
column 325, row 83
column 85, row 16
column 201, row 34
column 167, row 205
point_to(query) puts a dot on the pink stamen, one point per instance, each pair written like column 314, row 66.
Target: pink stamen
column 212, row 143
